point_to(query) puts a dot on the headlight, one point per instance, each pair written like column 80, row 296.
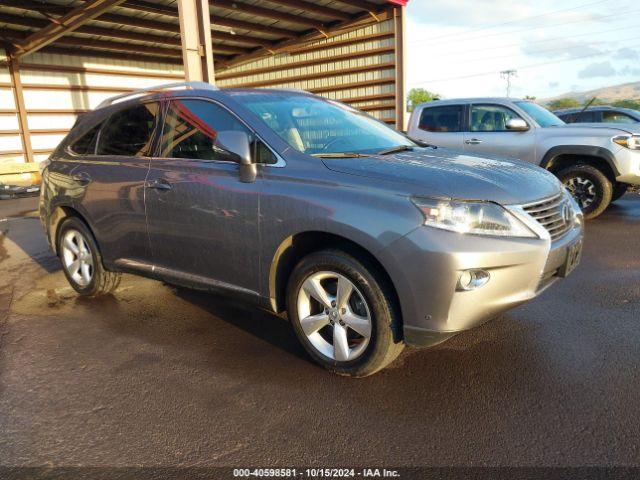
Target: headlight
column 480, row 218
column 628, row 141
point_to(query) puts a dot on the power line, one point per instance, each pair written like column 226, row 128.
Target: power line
column 522, row 67
column 555, row 39
column 485, row 27
column 524, row 29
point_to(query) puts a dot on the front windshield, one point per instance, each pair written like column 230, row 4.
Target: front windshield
column 317, row 126
column 541, row 115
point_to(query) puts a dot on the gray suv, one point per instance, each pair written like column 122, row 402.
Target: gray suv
column 597, row 163
column 303, row 205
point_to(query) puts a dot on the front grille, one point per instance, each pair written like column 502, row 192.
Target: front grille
column 551, row 213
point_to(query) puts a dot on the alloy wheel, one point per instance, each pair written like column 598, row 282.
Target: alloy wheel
column 77, row 258
column 583, row 190
column 334, row 316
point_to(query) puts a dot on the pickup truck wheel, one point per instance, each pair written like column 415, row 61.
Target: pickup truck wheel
column 342, row 314
column 82, row 262
column 589, row 186
column 619, row 189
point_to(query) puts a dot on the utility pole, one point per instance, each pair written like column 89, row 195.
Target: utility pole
column 506, row 75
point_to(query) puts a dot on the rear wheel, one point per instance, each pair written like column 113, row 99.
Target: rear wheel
column 343, row 313
column 619, row 189
column 82, row 262
column 589, row 186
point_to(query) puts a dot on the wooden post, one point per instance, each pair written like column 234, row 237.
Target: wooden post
column 195, row 34
column 18, row 96
column 401, row 100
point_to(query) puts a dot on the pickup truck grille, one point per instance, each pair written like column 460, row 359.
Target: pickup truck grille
column 552, row 214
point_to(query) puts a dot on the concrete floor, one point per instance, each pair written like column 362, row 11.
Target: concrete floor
column 160, row 377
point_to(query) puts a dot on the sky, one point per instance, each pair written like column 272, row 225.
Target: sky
column 457, row 48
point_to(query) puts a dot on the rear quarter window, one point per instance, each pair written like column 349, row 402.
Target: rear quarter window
column 86, row 144
column 441, row 119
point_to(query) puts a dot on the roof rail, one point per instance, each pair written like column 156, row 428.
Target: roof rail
column 156, row 89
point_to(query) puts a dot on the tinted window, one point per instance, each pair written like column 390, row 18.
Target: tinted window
column 584, row 117
column 129, row 132
column 86, row 144
column 490, row 118
column 616, row 117
column 441, row 119
column 191, row 128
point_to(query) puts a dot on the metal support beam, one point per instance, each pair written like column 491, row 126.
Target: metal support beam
column 16, row 84
column 195, row 32
column 401, row 100
column 61, row 26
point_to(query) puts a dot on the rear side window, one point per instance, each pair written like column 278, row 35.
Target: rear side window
column 441, row 119
column 129, row 132
column 86, row 144
column 191, row 128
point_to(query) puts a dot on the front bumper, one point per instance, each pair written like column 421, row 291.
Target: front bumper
column 628, row 166
column 426, row 264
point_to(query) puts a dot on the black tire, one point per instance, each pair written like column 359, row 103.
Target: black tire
column 103, row 281
column 603, row 189
column 619, row 189
column 383, row 347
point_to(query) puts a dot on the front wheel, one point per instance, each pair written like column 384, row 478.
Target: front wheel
column 343, row 313
column 589, row 186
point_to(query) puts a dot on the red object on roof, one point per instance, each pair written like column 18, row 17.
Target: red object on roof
column 402, row 3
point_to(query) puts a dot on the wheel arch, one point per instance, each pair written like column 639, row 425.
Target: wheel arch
column 561, row 157
column 297, row 246
column 56, row 218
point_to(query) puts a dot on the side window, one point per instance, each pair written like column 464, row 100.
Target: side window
column 491, row 118
column 441, row 119
column 129, row 132
column 191, row 128
column 616, row 117
column 86, row 144
column 586, row 117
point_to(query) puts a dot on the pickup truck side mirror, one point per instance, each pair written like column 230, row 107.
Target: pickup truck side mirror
column 238, row 147
column 517, row 125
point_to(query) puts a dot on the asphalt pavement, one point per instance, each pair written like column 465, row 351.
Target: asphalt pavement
column 156, row 376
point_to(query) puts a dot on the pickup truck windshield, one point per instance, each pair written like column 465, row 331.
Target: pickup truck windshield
column 541, row 115
column 316, row 126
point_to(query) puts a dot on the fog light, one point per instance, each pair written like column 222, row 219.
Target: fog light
column 472, row 279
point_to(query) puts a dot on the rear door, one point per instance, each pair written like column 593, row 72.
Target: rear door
column 440, row 125
column 202, row 220
column 487, row 133
column 112, row 177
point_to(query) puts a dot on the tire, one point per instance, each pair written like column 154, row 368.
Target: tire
column 619, row 189
column 75, row 243
column 589, row 186
column 370, row 298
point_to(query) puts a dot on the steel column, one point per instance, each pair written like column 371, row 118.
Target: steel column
column 195, row 33
column 401, row 100
column 16, row 87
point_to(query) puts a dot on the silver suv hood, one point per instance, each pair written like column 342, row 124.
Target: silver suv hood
column 449, row 173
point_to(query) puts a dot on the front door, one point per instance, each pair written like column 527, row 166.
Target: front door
column 488, row 135
column 202, row 221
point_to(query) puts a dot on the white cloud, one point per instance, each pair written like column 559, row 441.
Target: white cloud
column 602, row 69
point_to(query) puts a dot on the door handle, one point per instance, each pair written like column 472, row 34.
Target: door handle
column 159, row 184
column 473, row 141
column 82, row 178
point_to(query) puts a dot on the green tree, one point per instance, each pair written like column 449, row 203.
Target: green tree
column 564, row 103
column 530, row 97
column 417, row 96
column 628, row 103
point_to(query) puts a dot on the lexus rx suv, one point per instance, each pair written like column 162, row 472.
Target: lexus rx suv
column 597, row 163
column 299, row 204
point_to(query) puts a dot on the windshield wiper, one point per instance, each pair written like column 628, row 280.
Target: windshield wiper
column 338, row 155
column 399, row 148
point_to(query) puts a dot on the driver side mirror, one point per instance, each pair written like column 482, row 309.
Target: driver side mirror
column 517, row 125
column 237, row 146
